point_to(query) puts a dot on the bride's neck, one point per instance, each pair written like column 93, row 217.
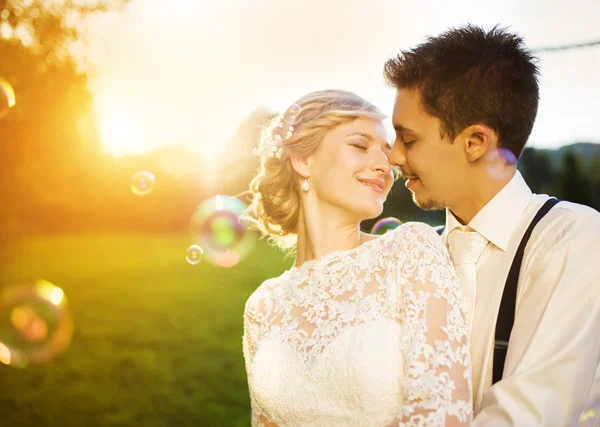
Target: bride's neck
column 320, row 234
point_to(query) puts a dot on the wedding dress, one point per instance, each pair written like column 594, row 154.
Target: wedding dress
column 371, row 336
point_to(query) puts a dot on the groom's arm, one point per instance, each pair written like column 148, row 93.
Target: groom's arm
column 554, row 347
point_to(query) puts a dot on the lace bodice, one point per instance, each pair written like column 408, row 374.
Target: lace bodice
column 372, row 336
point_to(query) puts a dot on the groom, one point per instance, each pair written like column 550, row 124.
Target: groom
column 465, row 105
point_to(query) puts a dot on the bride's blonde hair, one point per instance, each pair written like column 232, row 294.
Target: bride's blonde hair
column 275, row 189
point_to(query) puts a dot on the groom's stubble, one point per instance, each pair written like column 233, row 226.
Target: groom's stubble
column 427, row 205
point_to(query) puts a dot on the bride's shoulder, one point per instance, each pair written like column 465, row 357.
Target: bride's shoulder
column 413, row 240
column 259, row 299
column 415, row 233
column 418, row 249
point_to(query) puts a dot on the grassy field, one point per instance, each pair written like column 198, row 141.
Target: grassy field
column 157, row 341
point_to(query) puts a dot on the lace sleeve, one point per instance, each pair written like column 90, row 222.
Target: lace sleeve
column 253, row 317
column 430, row 305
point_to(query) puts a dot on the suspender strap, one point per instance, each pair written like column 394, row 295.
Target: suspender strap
column 506, row 314
column 439, row 229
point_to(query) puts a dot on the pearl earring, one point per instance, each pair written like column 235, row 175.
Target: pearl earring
column 305, row 185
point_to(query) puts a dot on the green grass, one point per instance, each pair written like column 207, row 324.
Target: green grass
column 157, row 341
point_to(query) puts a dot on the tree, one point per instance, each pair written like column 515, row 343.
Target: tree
column 538, row 171
column 47, row 136
column 594, row 174
column 574, row 182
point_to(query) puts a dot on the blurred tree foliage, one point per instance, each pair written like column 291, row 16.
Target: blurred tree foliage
column 47, row 137
column 594, row 176
column 537, row 170
column 574, row 181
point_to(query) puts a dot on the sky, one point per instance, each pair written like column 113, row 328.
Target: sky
column 190, row 72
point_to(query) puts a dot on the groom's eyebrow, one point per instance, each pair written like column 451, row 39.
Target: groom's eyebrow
column 400, row 128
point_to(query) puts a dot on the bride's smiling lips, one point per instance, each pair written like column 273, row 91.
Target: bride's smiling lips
column 374, row 184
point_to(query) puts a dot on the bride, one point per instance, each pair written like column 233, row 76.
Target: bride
column 363, row 330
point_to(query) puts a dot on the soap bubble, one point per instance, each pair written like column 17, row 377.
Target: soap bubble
column 36, row 324
column 292, row 115
column 194, row 254
column 219, row 231
column 7, row 97
column 386, row 224
column 498, row 163
column 142, row 183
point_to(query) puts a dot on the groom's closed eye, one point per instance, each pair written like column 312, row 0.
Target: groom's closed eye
column 404, row 140
column 387, row 148
column 405, row 135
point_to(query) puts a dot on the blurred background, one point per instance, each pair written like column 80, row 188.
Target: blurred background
column 126, row 133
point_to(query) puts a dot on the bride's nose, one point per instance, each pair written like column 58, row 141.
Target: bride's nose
column 380, row 162
column 398, row 154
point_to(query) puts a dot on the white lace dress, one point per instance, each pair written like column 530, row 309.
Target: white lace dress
column 372, row 336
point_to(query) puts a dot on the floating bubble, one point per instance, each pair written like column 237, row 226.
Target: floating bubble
column 36, row 324
column 385, row 224
column 292, row 114
column 194, row 254
column 27, row 321
column 218, row 229
column 590, row 416
column 142, row 183
column 7, row 97
column 4, row 354
column 498, row 163
column 227, row 259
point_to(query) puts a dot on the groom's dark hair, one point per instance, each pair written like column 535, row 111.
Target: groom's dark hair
column 467, row 76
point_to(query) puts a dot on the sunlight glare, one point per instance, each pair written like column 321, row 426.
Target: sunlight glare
column 120, row 135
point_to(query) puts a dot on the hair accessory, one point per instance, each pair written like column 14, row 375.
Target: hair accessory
column 271, row 142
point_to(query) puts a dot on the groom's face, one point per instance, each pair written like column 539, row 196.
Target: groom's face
column 433, row 166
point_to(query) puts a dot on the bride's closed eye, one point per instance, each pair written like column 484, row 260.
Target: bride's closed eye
column 360, row 146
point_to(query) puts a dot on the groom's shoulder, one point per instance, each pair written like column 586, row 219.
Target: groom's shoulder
column 569, row 211
column 568, row 218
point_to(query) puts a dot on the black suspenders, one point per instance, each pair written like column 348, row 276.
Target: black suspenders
column 506, row 313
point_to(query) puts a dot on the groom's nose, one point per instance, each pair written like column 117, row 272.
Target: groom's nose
column 398, row 155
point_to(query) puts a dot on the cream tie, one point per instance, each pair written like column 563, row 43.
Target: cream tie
column 466, row 246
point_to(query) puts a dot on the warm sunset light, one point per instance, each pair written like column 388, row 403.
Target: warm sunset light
column 134, row 121
column 121, row 134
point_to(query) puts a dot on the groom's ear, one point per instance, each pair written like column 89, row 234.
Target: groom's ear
column 301, row 165
column 477, row 140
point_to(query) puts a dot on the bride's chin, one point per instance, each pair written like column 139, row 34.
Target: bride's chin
column 372, row 213
column 367, row 209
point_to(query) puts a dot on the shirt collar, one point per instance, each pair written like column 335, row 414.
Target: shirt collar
column 497, row 220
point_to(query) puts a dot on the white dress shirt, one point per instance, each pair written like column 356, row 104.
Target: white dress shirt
column 551, row 373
